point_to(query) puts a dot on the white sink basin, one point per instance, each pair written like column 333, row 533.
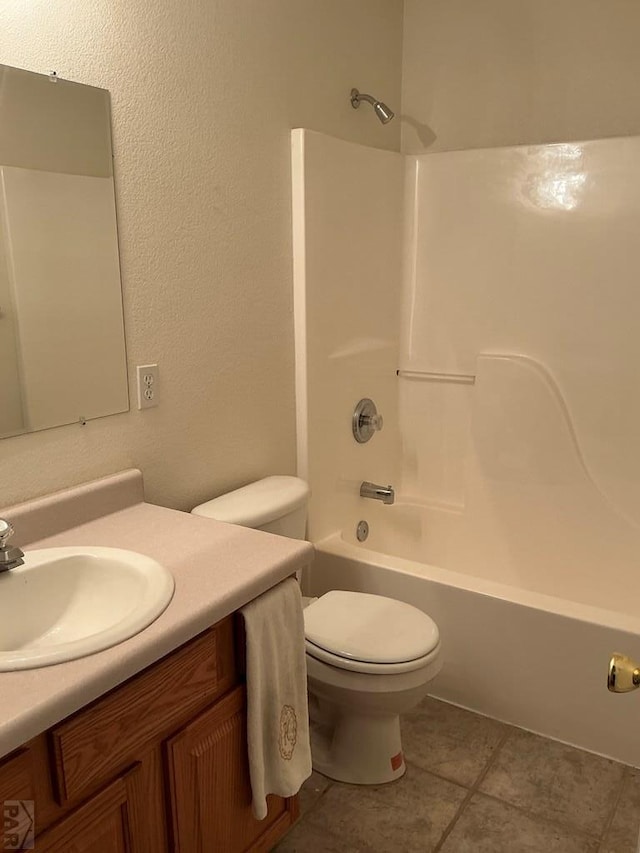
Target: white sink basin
column 65, row 603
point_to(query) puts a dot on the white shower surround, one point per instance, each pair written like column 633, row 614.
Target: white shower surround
column 516, row 526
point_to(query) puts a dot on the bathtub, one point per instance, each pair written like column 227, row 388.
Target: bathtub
column 512, row 650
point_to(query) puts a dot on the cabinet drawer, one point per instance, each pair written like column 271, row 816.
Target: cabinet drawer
column 102, row 739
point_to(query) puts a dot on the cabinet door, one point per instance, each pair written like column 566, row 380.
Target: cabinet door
column 210, row 787
column 101, row 825
column 17, row 796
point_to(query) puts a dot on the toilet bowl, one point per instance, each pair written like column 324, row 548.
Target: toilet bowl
column 369, row 658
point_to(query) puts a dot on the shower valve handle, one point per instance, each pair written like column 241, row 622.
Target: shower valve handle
column 365, row 421
column 374, row 421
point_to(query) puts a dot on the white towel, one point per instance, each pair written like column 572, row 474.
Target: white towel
column 278, row 714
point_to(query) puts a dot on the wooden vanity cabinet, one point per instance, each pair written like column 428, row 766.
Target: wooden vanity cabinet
column 101, row 825
column 158, row 764
column 205, row 751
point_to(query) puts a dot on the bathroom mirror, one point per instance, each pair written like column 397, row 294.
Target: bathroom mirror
column 62, row 348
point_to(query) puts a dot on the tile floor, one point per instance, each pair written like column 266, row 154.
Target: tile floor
column 474, row 785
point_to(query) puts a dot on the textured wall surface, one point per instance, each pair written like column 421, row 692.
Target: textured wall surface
column 204, row 94
column 503, row 73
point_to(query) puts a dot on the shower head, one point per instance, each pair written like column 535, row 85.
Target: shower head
column 381, row 110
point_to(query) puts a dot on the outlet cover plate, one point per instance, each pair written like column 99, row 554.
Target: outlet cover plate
column 148, row 382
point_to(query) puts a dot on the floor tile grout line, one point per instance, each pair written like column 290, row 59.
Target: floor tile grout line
column 542, row 819
column 471, row 792
column 399, row 809
column 492, row 760
column 364, row 788
column 303, row 815
column 409, row 764
column 475, row 789
column 600, row 837
column 301, row 820
column 626, row 775
column 450, row 826
column 412, row 764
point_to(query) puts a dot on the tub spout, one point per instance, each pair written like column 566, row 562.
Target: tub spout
column 386, row 494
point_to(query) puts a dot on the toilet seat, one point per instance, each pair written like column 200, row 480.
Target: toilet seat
column 367, row 667
column 361, row 632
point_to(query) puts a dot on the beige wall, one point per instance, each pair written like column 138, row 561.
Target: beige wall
column 204, row 94
column 499, row 72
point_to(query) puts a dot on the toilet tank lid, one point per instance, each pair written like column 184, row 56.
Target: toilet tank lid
column 257, row 503
column 371, row 628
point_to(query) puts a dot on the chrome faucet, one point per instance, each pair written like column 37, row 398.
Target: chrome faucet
column 386, row 494
column 10, row 557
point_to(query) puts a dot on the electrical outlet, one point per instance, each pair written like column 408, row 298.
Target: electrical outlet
column 148, row 385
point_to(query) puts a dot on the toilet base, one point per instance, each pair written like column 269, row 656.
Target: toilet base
column 355, row 718
column 358, row 749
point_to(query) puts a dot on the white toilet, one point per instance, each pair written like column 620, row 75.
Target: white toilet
column 369, row 658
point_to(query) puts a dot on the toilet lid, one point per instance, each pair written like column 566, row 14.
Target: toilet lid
column 370, row 628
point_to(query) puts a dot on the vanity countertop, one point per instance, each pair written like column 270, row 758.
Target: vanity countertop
column 217, row 569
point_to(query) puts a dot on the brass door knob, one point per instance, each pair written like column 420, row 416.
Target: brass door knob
column 624, row 674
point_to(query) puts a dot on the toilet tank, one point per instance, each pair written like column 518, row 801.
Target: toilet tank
column 275, row 504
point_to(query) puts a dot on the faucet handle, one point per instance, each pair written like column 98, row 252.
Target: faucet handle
column 374, row 421
column 366, row 420
column 10, row 557
column 6, row 532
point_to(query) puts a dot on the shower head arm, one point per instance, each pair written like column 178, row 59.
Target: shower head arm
column 357, row 96
column 381, row 110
